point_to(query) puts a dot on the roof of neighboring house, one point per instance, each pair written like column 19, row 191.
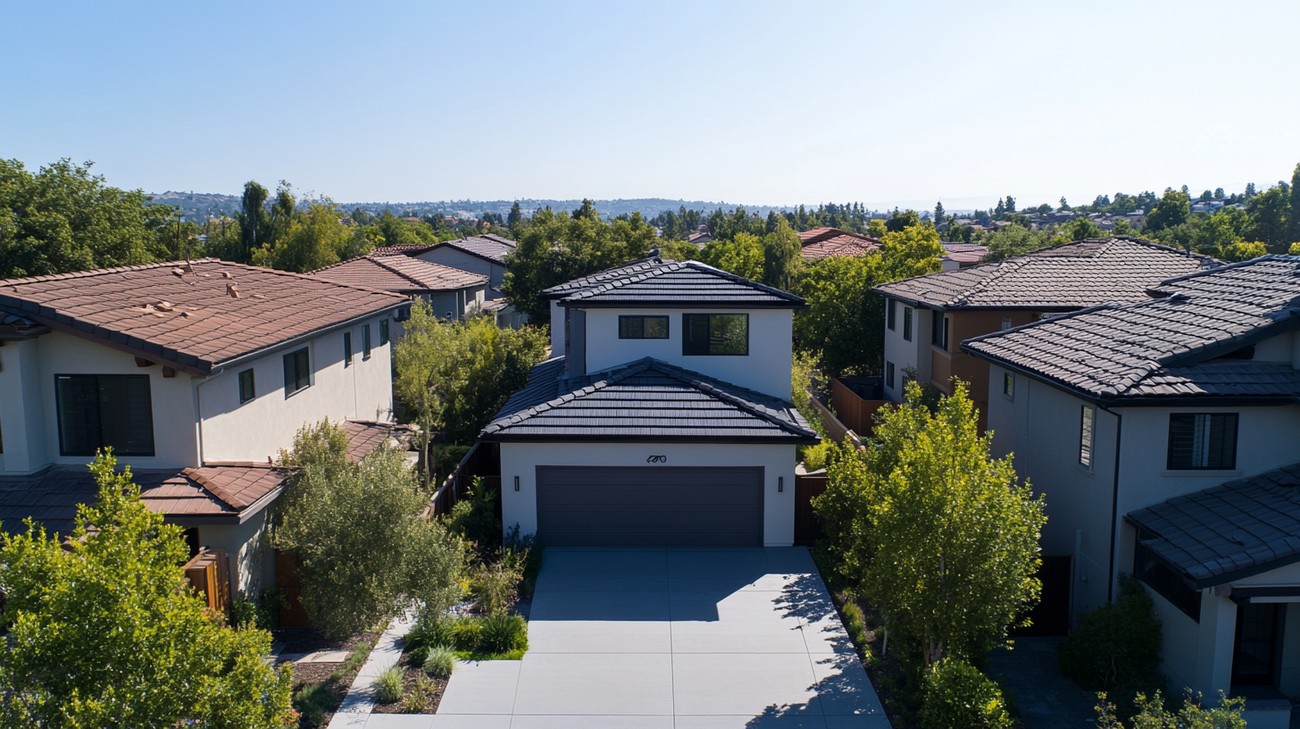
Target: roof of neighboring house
column 1230, row 531
column 493, row 248
column 213, row 493
column 821, row 243
column 1070, row 276
column 195, row 315
column 1193, row 342
column 655, row 282
column 645, row 400
column 401, row 274
column 965, row 254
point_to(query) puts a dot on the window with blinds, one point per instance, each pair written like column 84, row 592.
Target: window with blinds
column 1202, row 441
column 98, row 411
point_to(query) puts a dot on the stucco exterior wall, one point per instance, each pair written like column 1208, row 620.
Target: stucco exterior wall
column 248, row 551
column 258, row 429
column 557, row 329
column 448, row 256
column 766, row 369
column 22, row 416
column 522, row 459
column 953, row 362
column 903, row 354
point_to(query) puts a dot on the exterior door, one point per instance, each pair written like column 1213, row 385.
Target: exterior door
column 1259, row 644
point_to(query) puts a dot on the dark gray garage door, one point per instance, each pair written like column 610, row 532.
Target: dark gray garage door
column 671, row 507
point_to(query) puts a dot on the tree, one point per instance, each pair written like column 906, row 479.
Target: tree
column 912, row 251
column 1270, row 217
column 254, row 223
column 515, row 220
column 843, row 324
column 781, row 258
column 938, row 214
column 1079, row 229
column 65, row 219
column 742, row 255
column 901, row 219
column 1152, row 714
column 104, row 630
column 361, row 544
column 1293, row 233
column 1172, row 210
column 313, row 240
column 942, row 537
column 455, row 375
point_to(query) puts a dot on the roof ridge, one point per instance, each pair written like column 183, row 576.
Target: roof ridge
column 103, row 271
column 393, row 270
column 304, row 277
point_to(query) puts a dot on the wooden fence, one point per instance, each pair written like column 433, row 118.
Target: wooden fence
column 209, row 573
column 855, row 400
column 482, row 461
column 806, row 527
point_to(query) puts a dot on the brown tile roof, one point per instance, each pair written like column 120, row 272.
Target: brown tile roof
column 194, row 315
column 366, row 436
column 409, row 249
column 1071, row 276
column 400, row 274
column 966, row 254
column 842, row 245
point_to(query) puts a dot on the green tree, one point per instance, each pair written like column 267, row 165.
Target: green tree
column 1014, row 240
column 1293, row 232
column 1270, row 217
column 455, row 375
column 515, row 220
column 104, row 630
column 945, row 538
column 1244, row 251
column 781, row 258
column 742, row 255
column 313, row 240
column 912, row 251
column 1172, row 210
column 843, row 324
column 254, row 221
column 901, row 219
column 65, row 219
column 399, row 232
column 1152, row 713
column 358, row 536
column 1080, row 228
column 938, row 214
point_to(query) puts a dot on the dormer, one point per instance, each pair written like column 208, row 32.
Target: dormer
column 685, row 313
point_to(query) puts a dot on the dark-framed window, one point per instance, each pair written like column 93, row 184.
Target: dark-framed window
column 297, row 371
column 715, row 334
column 889, row 314
column 1202, row 441
column 889, row 375
column 347, row 349
column 907, row 323
column 1087, row 416
column 247, row 386
column 383, row 331
column 365, row 341
column 1009, row 385
column 1164, row 580
column 97, row 411
column 939, row 329
column 635, row 326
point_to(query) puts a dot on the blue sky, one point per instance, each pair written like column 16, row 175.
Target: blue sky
column 750, row 102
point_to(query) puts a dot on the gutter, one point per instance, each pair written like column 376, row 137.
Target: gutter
column 1114, row 503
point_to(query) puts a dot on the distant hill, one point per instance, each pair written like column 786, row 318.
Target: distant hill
column 200, row 206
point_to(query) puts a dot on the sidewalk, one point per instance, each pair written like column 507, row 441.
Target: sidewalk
column 354, row 712
column 1045, row 698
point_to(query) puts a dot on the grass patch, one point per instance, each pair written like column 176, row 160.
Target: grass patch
column 354, row 660
column 314, row 701
column 475, row 655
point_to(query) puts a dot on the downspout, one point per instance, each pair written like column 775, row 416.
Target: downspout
column 198, row 418
column 1114, row 506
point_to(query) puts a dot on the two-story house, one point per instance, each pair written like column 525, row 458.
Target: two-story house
column 484, row 255
column 664, row 417
column 196, row 374
column 453, row 293
column 1164, row 436
column 928, row 317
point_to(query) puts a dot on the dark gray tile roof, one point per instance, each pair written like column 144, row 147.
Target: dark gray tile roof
column 610, row 274
column 674, row 283
column 1165, row 348
column 1230, row 531
column 492, row 247
column 1071, row 276
column 645, row 400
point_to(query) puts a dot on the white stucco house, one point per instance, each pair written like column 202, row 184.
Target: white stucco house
column 196, row 374
column 1164, row 435
column 663, row 418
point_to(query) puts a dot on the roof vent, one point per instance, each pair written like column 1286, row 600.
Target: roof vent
column 232, row 290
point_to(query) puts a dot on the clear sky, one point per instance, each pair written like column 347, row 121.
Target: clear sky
column 748, row 102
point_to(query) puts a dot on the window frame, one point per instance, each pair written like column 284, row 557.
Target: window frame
column 347, row 349
column 889, row 314
column 1203, row 450
column 1087, row 435
column 687, row 341
column 252, row 386
column 628, row 319
column 305, row 353
column 1009, row 385
column 907, row 323
column 118, row 449
column 939, row 329
column 365, row 342
column 889, row 374
column 383, row 331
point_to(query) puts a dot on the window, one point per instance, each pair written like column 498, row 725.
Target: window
column 347, row 349
column 365, row 341
column 297, row 371
column 1006, row 323
column 247, row 390
column 1009, row 384
column 643, row 327
column 1085, row 436
column 1202, row 440
column 907, row 323
column 889, row 375
column 717, row 334
column 96, row 411
column 383, row 331
column 889, row 314
column 1164, row 580
column 939, row 330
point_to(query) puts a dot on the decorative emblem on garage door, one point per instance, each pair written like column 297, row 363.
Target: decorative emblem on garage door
column 656, row 459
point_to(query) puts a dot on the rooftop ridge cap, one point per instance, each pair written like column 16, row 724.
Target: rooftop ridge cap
column 402, row 274
column 701, row 265
column 302, row 277
column 103, row 271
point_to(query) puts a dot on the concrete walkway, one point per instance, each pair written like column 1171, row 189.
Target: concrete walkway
column 670, row 639
column 354, row 712
column 1045, row 698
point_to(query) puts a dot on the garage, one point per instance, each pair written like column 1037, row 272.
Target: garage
column 662, row 506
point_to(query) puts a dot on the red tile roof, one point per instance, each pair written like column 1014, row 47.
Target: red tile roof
column 366, row 436
column 193, row 315
column 843, row 245
column 400, row 274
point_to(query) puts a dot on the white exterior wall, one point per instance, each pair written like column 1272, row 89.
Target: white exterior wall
column 766, row 369
column 522, row 459
column 557, row 329
column 259, row 428
column 248, row 553
column 903, row 354
column 448, row 256
column 22, row 416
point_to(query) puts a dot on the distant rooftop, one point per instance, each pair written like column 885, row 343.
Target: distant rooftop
column 400, row 274
column 194, row 315
column 820, row 243
column 1195, row 341
column 491, row 247
column 1070, row 276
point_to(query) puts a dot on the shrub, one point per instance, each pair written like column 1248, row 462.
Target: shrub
column 313, row 701
column 958, row 696
column 502, row 633
column 440, row 662
column 466, row 633
column 1153, row 714
column 1116, row 648
column 421, row 697
column 388, row 687
column 496, row 584
column 474, row 517
column 417, row 655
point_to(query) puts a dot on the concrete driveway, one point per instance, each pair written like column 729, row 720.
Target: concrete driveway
column 672, row 639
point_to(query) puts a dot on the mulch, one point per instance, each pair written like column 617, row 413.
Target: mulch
column 411, row 679
column 305, row 640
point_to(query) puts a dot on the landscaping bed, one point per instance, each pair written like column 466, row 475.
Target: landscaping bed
column 319, row 688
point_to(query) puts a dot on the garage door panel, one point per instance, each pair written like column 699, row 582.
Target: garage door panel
column 650, row 506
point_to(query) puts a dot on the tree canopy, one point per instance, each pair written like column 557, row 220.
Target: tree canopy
column 105, row 631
